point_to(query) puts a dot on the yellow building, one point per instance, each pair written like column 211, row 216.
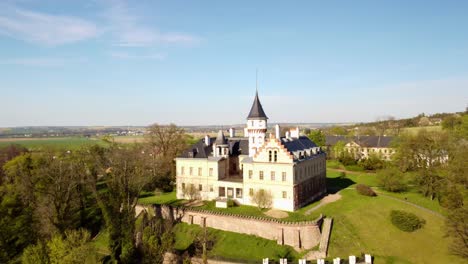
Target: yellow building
column 290, row 167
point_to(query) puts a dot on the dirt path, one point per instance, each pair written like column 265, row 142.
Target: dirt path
column 325, row 200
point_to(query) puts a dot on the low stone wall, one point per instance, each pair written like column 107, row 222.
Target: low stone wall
column 300, row 235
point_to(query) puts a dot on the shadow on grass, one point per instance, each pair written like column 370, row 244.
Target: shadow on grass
column 337, row 184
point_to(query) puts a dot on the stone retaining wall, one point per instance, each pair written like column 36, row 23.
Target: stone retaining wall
column 300, row 235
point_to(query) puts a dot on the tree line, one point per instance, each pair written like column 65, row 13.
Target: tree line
column 53, row 202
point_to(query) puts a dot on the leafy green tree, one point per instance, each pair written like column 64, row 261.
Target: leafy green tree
column 457, row 229
column 16, row 224
column 48, row 181
column 451, row 122
column 338, row 149
column 392, row 179
column 317, row 137
column 35, row 254
column 372, row 162
column 337, row 131
column 427, row 154
column 75, row 248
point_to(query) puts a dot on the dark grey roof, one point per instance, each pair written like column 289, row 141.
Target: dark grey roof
column 220, row 139
column 256, row 112
column 363, row 141
column 237, row 146
column 298, row 144
column 332, row 140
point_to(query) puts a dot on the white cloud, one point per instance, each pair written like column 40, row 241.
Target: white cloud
column 45, row 29
column 129, row 31
column 126, row 55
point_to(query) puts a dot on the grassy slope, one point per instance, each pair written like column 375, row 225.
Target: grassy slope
column 233, row 246
column 361, row 224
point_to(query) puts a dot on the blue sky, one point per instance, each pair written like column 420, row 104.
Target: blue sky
column 193, row 62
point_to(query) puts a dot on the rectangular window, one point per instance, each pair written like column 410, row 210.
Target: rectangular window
column 250, row 174
column 191, row 171
column 261, row 175
column 211, row 172
column 222, row 192
column 251, row 191
column 283, row 175
column 182, row 170
column 238, row 192
column 230, row 192
column 272, row 174
column 211, row 188
column 183, row 186
column 200, row 187
column 199, row 171
column 284, row 195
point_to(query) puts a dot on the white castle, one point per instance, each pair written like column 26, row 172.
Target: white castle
column 290, row 167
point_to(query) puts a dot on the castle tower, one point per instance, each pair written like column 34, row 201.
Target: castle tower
column 221, row 146
column 256, row 126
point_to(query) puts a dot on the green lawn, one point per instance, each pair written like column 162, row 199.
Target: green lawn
column 362, row 224
column 163, row 198
column 233, row 246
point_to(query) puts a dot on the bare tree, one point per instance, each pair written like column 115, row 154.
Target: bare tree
column 262, row 199
column 191, row 192
column 125, row 171
column 166, row 142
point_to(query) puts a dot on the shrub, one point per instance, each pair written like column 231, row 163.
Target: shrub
column 392, row 180
column 230, row 203
column 373, row 162
column 406, row 221
column 342, row 175
column 347, row 159
column 365, row 190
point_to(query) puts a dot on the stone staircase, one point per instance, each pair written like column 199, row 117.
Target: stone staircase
column 324, row 240
column 326, row 230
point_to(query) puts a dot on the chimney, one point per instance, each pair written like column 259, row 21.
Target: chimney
column 295, row 132
column 232, row 132
column 277, row 131
column 207, row 140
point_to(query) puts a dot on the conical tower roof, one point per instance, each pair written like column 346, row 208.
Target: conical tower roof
column 220, row 139
column 256, row 112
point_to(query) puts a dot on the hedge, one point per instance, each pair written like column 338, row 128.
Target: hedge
column 365, row 190
column 406, row 221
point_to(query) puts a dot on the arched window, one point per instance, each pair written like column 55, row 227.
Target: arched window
column 269, row 155
column 276, row 156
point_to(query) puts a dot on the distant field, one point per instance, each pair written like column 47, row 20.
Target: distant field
column 414, row 130
column 62, row 142
column 129, row 139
